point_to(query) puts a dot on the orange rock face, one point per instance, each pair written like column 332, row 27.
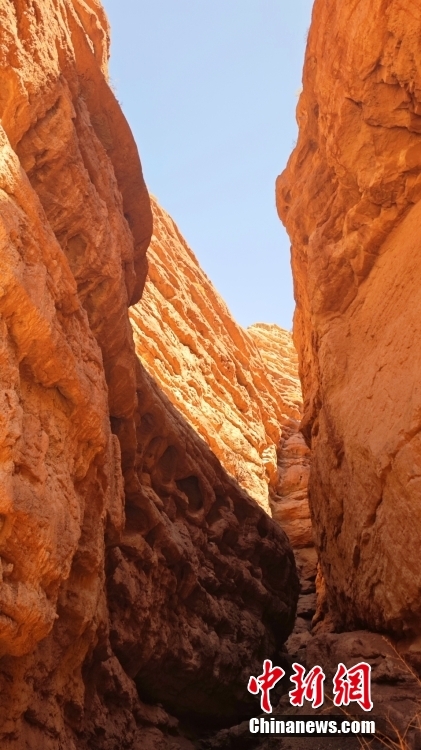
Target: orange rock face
column 236, row 397
column 289, row 495
column 59, row 458
column 137, row 579
column 350, row 200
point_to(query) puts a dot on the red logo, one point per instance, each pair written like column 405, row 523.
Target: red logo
column 349, row 685
column 308, row 688
column 353, row 684
column 264, row 683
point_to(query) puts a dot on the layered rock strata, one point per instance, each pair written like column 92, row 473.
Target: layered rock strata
column 350, row 201
column 137, row 578
column 212, row 369
column 288, row 495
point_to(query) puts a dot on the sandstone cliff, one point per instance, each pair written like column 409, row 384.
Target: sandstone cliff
column 134, row 570
column 213, row 370
column 350, row 200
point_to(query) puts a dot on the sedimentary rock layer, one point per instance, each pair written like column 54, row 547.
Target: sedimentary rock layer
column 237, row 398
column 134, row 570
column 350, row 201
column 289, row 494
column 64, row 245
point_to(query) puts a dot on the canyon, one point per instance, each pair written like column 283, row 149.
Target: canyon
column 140, row 583
column 182, row 498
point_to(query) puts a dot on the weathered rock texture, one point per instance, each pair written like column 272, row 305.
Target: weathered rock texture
column 134, row 570
column 350, row 200
column 195, row 589
column 289, row 495
column 237, row 398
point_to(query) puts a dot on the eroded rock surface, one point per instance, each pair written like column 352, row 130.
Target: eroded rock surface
column 193, row 587
column 212, row 369
column 350, row 201
column 138, row 580
column 289, row 494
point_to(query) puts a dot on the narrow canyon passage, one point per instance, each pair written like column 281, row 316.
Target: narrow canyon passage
column 182, row 498
column 140, row 582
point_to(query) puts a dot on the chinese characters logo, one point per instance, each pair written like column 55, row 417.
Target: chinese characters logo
column 349, row 685
column 265, row 683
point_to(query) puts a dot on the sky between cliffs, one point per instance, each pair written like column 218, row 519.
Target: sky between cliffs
column 209, row 88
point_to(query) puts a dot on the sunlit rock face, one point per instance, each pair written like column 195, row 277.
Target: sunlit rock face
column 64, row 244
column 75, row 223
column 136, row 577
column 289, row 494
column 238, row 388
column 350, row 201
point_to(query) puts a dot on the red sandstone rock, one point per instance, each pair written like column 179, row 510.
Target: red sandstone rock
column 210, row 368
column 56, row 441
column 288, row 496
column 177, row 590
column 193, row 589
column 350, row 201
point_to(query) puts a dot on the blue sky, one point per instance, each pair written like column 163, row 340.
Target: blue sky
column 209, row 88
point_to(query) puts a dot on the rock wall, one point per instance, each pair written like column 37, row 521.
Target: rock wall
column 137, row 578
column 213, row 370
column 289, row 494
column 350, row 201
